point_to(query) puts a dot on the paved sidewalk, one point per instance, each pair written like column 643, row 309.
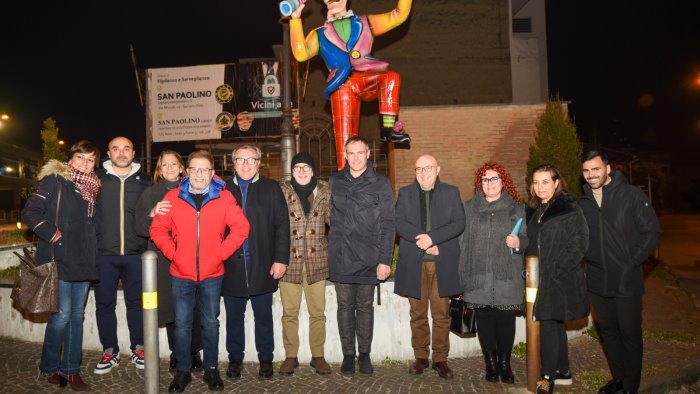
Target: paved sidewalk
column 671, row 326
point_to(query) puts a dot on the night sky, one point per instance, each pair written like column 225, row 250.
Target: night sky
column 627, row 68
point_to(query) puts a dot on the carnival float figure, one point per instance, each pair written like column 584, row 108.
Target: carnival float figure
column 345, row 43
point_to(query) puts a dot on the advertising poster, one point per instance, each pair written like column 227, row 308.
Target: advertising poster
column 216, row 101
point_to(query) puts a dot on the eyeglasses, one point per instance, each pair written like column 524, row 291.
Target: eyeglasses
column 199, row 171
column 250, row 160
column 302, row 168
column 426, row 169
column 490, row 180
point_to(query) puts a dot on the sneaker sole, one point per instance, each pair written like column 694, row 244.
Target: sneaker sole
column 138, row 366
column 104, row 371
column 564, row 382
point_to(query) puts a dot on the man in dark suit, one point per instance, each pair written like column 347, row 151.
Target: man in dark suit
column 429, row 220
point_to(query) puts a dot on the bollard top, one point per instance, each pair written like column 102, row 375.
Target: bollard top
column 148, row 255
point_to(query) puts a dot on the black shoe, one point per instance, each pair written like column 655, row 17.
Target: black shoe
column 348, row 365
column 389, row 135
column 490, row 362
column 266, row 371
column 212, row 379
column 173, row 363
column 563, row 378
column 196, row 363
column 504, row 368
column 181, row 380
column 234, row 369
column 612, row 387
column 365, row 363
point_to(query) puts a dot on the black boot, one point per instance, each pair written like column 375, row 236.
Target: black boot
column 491, row 366
column 504, row 368
column 395, row 135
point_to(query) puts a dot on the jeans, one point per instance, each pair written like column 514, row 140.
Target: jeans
column 65, row 329
column 184, row 292
column 554, row 348
column 111, row 268
column 355, row 316
column 235, row 327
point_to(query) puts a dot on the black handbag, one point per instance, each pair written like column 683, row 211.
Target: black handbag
column 462, row 319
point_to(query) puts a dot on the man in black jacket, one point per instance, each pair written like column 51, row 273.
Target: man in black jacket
column 623, row 231
column 254, row 269
column 119, row 252
column 429, row 220
column 360, row 245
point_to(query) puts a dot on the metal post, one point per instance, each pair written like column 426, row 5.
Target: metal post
column 532, row 281
column 287, row 145
column 150, row 321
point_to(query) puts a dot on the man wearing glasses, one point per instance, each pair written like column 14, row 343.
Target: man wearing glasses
column 309, row 203
column 429, row 220
column 361, row 242
column 254, row 269
column 191, row 235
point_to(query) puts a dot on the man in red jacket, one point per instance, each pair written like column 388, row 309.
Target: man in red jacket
column 191, row 235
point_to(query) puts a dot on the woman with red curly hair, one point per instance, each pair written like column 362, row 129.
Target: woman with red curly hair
column 491, row 265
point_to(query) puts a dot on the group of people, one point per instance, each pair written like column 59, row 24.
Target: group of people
column 243, row 237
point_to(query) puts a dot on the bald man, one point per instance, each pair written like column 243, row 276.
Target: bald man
column 429, row 220
column 119, row 252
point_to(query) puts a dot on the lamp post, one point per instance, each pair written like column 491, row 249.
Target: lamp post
column 287, row 139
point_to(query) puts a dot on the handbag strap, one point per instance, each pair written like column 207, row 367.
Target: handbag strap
column 58, row 206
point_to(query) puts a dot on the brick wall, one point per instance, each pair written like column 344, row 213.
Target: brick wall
column 464, row 137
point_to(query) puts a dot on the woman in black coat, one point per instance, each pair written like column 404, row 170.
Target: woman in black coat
column 60, row 213
column 169, row 170
column 558, row 235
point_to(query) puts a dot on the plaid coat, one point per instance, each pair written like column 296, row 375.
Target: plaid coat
column 309, row 243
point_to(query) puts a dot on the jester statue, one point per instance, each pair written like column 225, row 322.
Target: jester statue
column 345, row 43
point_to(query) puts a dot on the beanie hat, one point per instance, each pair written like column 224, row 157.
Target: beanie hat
column 302, row 157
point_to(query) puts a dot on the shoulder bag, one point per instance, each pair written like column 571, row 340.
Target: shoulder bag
column 36, row 286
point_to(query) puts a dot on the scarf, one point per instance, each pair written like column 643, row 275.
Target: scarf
column 89, row 185
column 304, row 191
column 486, row 252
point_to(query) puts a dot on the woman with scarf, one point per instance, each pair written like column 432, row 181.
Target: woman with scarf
column 309, row 203
column 60, row 212
column 168, row 172
column 491, row 265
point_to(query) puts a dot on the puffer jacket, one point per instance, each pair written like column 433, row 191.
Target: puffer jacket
column 624, row 231
column 309, row 242
column 194, row 240
column 115, row 217
column 76, row 250
column 362, row 228
column 562, row 240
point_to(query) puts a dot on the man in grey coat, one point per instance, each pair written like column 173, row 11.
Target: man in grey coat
column 429, row 220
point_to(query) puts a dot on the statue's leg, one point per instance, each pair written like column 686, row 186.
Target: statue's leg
column 389, row 90
column 345, row 106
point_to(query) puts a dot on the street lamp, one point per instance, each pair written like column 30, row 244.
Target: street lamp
column 4, row 118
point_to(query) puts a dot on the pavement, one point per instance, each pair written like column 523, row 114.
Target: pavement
column 671, row 324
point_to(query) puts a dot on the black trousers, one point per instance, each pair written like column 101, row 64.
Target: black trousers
column 496, row 330
column 554, row 348
column 620, row 322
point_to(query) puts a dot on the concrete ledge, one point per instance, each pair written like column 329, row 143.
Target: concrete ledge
column 392, row 332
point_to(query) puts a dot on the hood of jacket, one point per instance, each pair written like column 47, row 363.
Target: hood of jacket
column 109, row 168
column 55, row 167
